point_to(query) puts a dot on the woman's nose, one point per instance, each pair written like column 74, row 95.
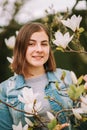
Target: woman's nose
column 39, row 48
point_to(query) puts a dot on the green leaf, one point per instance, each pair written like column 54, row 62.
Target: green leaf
column 80, row 79
column 81, row 29
column 63, row 75
column 30, row 128
column 84, row 119
column 52, row 124
column 60, row 49
column 57, row 85
column 71, row 91
column 75, row 92
column 80, row 90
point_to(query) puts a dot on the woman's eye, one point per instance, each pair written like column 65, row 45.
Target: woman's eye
column 45, row 44
column 31, row 44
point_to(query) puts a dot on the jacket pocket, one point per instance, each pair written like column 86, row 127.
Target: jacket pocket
column 13, row 101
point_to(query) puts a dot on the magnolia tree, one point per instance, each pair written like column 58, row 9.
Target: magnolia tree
column 63, row 41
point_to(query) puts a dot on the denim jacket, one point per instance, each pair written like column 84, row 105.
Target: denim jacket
column 11, row 88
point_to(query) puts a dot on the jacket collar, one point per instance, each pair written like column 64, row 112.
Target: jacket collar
column 52, row 77
column 20, row 81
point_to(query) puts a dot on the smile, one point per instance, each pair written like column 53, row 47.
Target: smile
column 37, row 57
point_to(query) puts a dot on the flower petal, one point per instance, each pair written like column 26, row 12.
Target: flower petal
column 50, row 115
column 29, row 122
column 74, row 78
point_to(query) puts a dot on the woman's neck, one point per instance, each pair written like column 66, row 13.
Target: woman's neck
column 34, row 72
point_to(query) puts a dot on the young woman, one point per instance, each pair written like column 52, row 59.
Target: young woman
column 35, row 68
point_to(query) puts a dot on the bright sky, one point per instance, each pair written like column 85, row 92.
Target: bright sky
column 34, row 9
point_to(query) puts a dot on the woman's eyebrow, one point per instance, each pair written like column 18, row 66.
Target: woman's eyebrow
column 41, row 41
column 45, row 41
column 32, row 40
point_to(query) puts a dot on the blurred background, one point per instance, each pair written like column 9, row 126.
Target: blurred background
column 15, row 13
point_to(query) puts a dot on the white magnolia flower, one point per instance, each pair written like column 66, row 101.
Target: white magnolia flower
column 28, row 96
column 85, row 77
column 84, row 107
column 74, row 78
column 10, row 59
column 62, row 40
column 17, row 32
column 84, row 99
column 19, row 127
column 29, row 122
column 77, row 112
column 85, row 86
column 10, row 42
column 33, row 109
column 30, row 99
column 84, row 104
column 50, row 115
column 72, row 23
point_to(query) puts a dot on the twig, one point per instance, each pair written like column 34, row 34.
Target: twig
column 63, row 110
column 23, row 111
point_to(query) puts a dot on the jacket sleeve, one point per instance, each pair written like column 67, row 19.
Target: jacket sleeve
column 5, row 117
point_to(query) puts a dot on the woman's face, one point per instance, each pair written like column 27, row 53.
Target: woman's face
column 37, row 52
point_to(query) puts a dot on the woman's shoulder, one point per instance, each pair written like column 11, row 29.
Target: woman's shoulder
column 7, row 80
column 11, row 81
column 63, row 72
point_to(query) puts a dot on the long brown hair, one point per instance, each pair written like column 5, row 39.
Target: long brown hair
column 19, row 65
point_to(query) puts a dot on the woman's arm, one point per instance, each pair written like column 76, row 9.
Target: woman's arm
column 5, row 117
